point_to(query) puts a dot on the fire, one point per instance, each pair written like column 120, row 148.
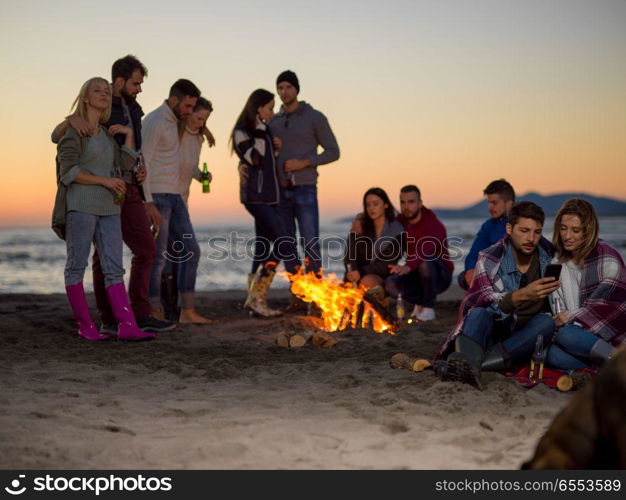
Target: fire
column 340, row 303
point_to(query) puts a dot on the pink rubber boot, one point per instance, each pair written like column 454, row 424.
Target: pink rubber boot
column 127, row 328
column 78, row 303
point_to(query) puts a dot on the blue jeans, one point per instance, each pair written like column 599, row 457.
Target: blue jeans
column 300, row 203
column 272, row 244
column 176, row 226
column 106, row 234
column 422, row 285
column 571, row 348
column 481, row 326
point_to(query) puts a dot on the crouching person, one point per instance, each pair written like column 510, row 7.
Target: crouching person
column 91, row 170
column 506, row 308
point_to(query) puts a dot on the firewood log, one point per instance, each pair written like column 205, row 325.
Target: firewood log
column 291, row 339
column 589, row 433
column 282, row 339
column 572, row 382
column 402, row 360
column 564, row 383
column 297, row 340
column 322, row 339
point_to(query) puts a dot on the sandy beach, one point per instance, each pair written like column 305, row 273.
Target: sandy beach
column 225, row 396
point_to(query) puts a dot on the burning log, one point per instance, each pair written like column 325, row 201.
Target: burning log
column 385, row 315
column 345, row 320
column 360, row 311
column 402, row 360
column 340, row 304
column 322, row 339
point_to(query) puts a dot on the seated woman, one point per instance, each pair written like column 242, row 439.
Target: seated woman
column 593, row 291
column 370, row 255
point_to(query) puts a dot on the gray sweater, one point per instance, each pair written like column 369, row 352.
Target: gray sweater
column 98, row 155
column 301, row 133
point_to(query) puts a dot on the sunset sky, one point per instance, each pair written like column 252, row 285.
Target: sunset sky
column 448, row 95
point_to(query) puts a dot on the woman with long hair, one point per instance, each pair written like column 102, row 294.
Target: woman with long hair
column 91, row 170
column 191, row 132
column 592, row 295
column 370, row 254
column 253, row 143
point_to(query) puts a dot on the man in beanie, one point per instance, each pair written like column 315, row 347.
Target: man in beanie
column 301, row 129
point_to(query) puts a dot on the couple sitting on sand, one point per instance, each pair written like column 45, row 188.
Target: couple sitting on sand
column 511, row 301
column 379, row 237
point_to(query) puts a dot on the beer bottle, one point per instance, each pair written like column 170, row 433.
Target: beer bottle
column 400, row 311
column 206, row 185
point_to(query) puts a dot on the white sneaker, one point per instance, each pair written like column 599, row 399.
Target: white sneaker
column 423, row 314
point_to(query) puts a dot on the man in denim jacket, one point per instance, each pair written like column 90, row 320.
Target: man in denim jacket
column 505, row 310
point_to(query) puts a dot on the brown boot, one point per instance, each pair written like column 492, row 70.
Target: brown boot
column 257, row 302
column 246, row 304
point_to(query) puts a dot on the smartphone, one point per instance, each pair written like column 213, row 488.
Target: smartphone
column 553, row 271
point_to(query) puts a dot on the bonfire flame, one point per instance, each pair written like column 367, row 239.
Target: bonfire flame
column 340, row 303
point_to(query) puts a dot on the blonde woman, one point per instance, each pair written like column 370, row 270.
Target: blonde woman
column 91, row 168
column 593, row 291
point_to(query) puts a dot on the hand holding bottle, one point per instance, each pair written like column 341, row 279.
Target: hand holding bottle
column 205, row 178
column 117, row 186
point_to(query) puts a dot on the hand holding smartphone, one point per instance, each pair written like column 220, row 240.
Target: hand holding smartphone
column 553, row 271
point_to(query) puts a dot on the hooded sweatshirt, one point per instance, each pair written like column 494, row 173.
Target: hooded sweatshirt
column 301, row 133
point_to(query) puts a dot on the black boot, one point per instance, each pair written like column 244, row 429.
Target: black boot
column 464, row 365
column 496, row 359
column 169, row 297
column 600, row 353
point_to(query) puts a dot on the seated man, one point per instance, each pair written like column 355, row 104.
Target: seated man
column 503, row 312
column 428, row 268
column 500, row 198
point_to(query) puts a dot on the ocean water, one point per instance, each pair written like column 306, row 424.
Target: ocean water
column 32, row 259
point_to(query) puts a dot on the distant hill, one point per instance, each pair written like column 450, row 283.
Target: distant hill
column 550, row 204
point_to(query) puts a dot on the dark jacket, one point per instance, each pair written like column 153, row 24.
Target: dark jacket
column 257, row 152
column 368, row 255
column 118, row 117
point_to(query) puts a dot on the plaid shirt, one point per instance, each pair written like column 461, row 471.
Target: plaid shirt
column 603, row 295
column 487, row 286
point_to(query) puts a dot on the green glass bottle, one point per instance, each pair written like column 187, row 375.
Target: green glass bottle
column 206, row 185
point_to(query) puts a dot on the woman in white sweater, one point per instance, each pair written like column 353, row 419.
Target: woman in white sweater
column 192, row 132
column 591, row 321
